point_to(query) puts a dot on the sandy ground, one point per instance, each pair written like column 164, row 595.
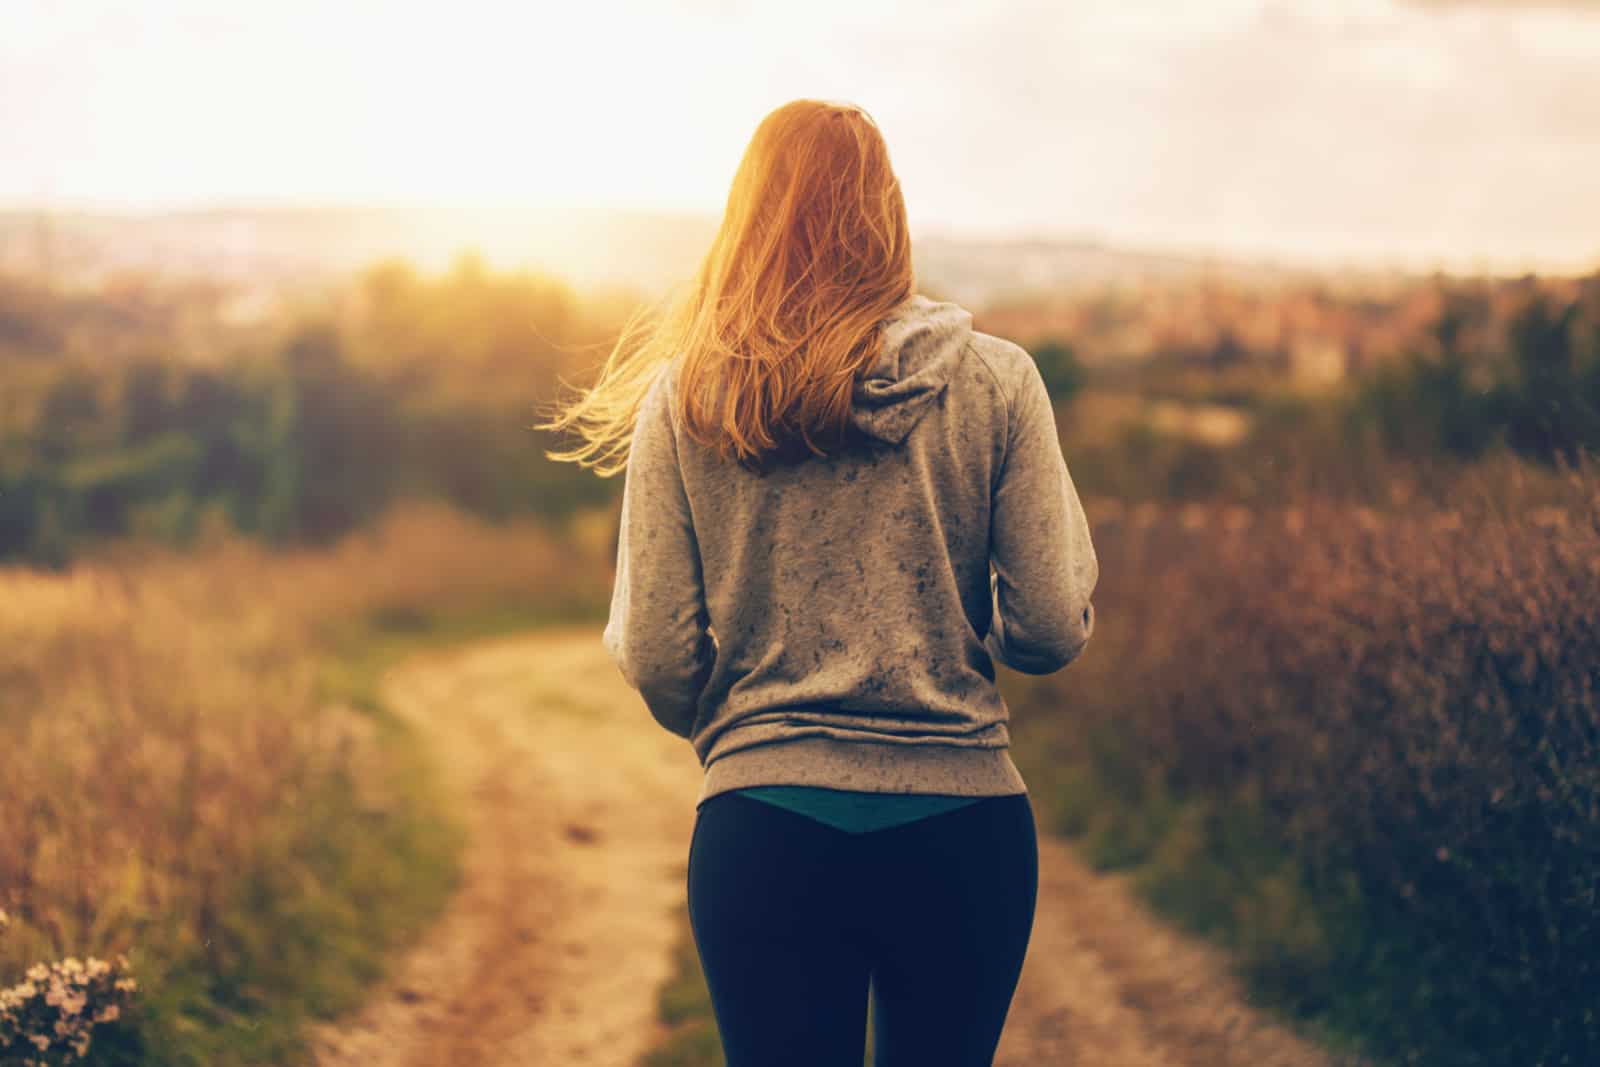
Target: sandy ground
column 579, row 811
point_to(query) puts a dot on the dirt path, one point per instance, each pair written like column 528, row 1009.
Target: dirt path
column 579, row 811
column 578, row 814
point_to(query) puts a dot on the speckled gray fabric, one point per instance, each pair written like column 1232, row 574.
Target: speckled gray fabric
column 835, row 621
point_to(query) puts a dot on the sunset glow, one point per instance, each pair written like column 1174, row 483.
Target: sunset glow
column 1465, row 133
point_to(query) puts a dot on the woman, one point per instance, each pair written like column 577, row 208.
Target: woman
column 842, row 506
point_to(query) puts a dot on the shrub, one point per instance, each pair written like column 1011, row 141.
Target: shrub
column 50, row 1016
column 1385, row 728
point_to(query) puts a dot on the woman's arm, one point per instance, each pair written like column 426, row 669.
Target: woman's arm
column 1044, row 564
column 658, row 631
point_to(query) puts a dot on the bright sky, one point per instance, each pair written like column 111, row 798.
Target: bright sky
column 1412, row 132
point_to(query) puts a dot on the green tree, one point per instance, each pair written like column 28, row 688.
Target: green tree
column 1062, row 371
column 1550, row 413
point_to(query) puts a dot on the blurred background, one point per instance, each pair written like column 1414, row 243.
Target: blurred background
column 1316, row 287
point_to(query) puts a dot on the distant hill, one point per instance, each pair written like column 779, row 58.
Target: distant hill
column 299, row 247
column 979, row 272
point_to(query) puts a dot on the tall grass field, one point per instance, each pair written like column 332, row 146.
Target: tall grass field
column 199, row 776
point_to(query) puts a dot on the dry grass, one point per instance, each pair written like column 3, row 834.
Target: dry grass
column 168, row 752
column 1365, row 747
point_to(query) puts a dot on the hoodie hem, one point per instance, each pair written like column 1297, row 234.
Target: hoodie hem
column 866, row 766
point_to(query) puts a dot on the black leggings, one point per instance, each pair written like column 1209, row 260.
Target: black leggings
column 792, row 919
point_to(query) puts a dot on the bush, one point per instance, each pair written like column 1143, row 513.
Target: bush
column 1382, row 732
column 50, row 1016
column 1062, row 371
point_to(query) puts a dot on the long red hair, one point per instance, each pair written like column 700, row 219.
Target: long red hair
column 783, row 313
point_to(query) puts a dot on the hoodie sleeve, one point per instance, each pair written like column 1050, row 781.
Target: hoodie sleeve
column 658, row 631
column 1043, row 563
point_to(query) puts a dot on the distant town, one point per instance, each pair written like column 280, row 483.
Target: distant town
column 1115, row 306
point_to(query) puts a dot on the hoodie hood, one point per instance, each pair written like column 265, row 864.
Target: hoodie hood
column 924, row 341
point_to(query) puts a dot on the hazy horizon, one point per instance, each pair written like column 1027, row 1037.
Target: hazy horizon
column 1457, row 134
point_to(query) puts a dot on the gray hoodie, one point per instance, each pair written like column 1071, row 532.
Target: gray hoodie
column 836, row 621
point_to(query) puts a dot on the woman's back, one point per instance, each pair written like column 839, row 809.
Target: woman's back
column 824, row 629
column 834, row 621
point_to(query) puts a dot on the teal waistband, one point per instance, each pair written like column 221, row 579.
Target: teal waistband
column 854, row 811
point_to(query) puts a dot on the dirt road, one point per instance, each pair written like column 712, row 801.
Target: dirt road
column 579, row 811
